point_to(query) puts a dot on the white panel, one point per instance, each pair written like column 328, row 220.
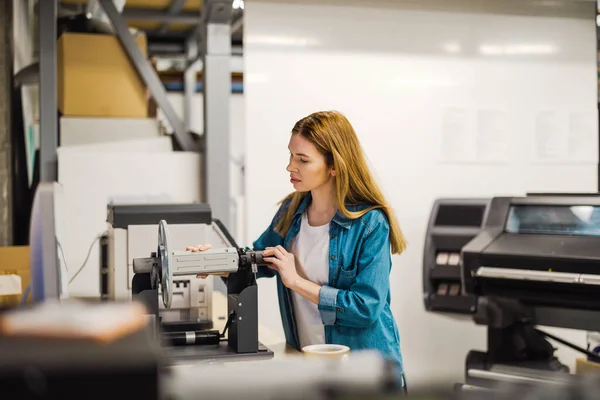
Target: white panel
column 91, row 180
column 156, row 144
column 402, row 77
column 76, row 131
column 237, row 126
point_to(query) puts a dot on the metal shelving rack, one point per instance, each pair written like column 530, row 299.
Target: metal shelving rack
column 209, row 42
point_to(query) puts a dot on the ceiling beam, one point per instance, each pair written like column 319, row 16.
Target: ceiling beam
column 236, row 24
column 143, row 14
column 174, row 9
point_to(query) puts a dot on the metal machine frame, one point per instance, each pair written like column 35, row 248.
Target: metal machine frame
column 242, row 308
column 130, row 226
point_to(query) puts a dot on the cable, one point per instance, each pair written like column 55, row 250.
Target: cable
column 25, row 295
column 62, row 253
column 87, row 257
column 590, row 354
column 228, row 323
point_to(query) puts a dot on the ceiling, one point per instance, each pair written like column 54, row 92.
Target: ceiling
column 167, row 23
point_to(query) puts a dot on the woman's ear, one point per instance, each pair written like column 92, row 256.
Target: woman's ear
column 332, row 172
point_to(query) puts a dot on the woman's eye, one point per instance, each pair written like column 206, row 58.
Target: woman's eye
column 303, row 161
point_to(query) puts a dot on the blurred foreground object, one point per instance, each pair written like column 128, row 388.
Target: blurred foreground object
column 77, row 351
column 74, row 320
column 361, row 375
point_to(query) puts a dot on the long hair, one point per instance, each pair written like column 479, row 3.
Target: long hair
column 335, row 138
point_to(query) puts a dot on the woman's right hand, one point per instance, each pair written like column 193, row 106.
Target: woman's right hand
column 200, row 247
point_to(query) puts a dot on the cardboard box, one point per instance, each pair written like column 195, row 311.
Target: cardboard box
column 585, row 367
column 14, row 260
column 95, row 77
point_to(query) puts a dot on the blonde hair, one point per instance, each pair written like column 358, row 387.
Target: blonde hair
column 335, row 138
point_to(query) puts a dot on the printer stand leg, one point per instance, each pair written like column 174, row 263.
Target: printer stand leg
column 517, row 350
column 521, row 345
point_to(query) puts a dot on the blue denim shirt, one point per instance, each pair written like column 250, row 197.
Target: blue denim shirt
column 355, row 304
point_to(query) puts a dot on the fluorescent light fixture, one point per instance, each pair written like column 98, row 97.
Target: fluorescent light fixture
column 516, row 49
column 424, row 81
column 255, row 78
column 294, row 41
column 238, row 4
column 452, row 48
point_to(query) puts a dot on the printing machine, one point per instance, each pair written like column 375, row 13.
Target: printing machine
column 179, row 303
column 527, row 261
column 133, row 233
column 154, row 279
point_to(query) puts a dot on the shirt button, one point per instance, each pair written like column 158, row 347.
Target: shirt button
column 333, row 236
column 333, row 257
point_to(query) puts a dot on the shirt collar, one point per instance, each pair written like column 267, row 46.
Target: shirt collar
column 338, row 218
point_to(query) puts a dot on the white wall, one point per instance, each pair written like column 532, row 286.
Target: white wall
column 445, row 104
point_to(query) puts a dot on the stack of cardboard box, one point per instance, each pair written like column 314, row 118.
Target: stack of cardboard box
column 14, row 274
column 95, row 77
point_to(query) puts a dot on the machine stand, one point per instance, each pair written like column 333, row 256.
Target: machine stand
column 242, row 328
column 243, row 331
column 521, row 345
column 515, row 347
column 242, row 307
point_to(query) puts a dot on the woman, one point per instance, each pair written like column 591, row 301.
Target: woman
column 330, row 244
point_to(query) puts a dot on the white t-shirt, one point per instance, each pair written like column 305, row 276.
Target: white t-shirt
column 311, row 252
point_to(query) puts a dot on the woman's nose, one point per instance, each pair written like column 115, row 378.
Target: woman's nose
column 289, row 167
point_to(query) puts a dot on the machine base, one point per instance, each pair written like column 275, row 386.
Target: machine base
column 181, row 355
column 183, row 326
column 483, row 373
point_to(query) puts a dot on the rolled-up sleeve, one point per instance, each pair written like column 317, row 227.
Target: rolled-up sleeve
column 327, row 304
column 362, row 304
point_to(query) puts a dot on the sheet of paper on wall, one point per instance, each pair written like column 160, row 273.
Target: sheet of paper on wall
column 493, row 136
column 583, row 137
column 551, row 140
column 457, row 141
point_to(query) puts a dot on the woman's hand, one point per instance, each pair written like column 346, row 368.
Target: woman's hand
column 283, row 262
column 202, row 247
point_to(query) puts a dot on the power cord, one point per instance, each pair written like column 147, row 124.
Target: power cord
column 87, row 257
column 64, row 260
column 62, row 253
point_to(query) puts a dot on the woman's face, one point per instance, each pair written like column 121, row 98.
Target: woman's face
column 307, row 167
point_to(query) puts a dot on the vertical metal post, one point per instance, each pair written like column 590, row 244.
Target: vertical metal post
column 8, row 222
column 216, row 59
column 48, row 91
column 598, row 69
column 189, row 80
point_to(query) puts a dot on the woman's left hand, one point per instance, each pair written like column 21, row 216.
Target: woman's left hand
column 283, row 262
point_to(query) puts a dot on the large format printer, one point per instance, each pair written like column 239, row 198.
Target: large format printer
column 513, row 264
